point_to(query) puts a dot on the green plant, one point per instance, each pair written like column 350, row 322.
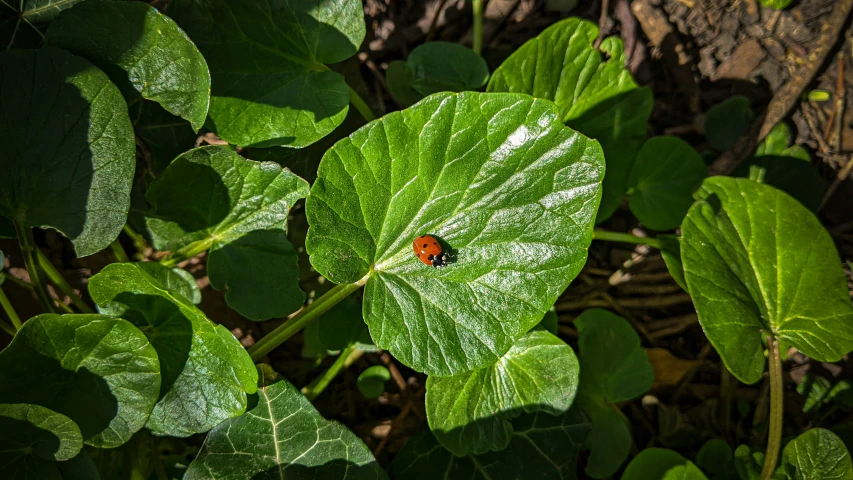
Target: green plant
column 511, row 180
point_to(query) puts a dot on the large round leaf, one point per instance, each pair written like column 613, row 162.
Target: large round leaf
column 662, row 464
column 499, row 180
column 758, row 263
column 99, row 371
column 206, row 372
column 143, row 51
column 32, row 438
column 269, row 82
column 283, row 436
column 68, row 147
column 818, row 453
column 597, row 97
column 472, row 412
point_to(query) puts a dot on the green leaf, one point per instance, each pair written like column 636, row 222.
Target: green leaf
column 176, row 280
column 663, row 179
column 497, row 178
column 815, row 390
column 371, row 382
column 268, row 61
column 615, row 369
column 32, row 438
column 596, row 97
column 818, row 453
column 399, row 80
column 727, row 121
column 80, row 467
column 714, row 455
column 342, row 326
column 777, row 4
column 776, row 142
column 661, row 464
column 748, row 462
column 792, row 175
column 445, row 67
column 143, row 51
column 283, row 436
column 758, row 263
column 212, row 198
column 164, row 135
column 206, row 372
column 540, row 443
column 815, row 95
column 671, row 252
column 549, row 322
column 472, row 412
column 42, row 11
column 99, row 371
column 74, row 141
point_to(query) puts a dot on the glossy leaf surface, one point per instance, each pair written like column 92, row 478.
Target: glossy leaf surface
column 817, row 453
column 32, row 438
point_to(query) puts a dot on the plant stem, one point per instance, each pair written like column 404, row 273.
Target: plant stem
column 774, row 437
column 347, row 357
column 303, row 318
column 625, row 238
column 28, row 248
column 138, row 240
column 360, row 105
column 56, row 278
column 187, row 252
column 118, row 252
column 10, row 312
column 477, row 44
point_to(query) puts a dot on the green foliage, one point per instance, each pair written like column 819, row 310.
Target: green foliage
column 472, row 412
column 143, row 52
column 746, row 271
column 614, row 369
column 661, row 464
column 436, row 67
column 371, row 382
column 282, row 435
column 41, row 11
column 268, row 61
column 206, row 372
column 85, row 165
column 497, row 178
column 399, row 81
column 671, row 253
column 596, row 97
column 32, row 438
column 342, row 326
column 727, row 121
column 717, row 458
column 99, row 371
column 819, row 391
column 818, row 453
column 777, row 4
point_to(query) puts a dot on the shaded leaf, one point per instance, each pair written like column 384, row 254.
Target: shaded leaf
column 176, row 280
column 671, row 253
column 42, row 11
column 75, row 142
column 99, row 371
column 32, row 438
column 371, row 382
column 818, row 453
column 668, row 369
column 399, row 80
column 661, row 464
column 206, row 372
column 815, row 390
column 714, row 456
column 143, row 51
column 748, row 249
column 445, row 67
column 342, row 326
column 726, row 121
column 472, row 412
column 268, row 61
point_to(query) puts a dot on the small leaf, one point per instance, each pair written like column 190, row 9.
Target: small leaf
column 815, row 95
column 212, row 198
column 748, row 463
column 268, row 61
column 815, row 390
column 42, row 11
column 671, row 252
column 714, row 455
column 99, row 371
column 497, row 178
column 727, row 121
column 776, row 4
column 775, row 142
column 283, row 436
column 597, row 98
column 472, row 412
column 615, row 369
column 399, row 80
column 540, row 443
column 445, row 67
column 371, row 382
column 143, row 51
column 176, row 280
column 818, row 453
column 668, row 369
column 757, row 263
column 206, row 372
column 665, row 174
column 75, row 142
column 32, row 438
column 661, row 464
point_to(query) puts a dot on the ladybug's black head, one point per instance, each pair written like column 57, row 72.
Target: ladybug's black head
column 440, row 260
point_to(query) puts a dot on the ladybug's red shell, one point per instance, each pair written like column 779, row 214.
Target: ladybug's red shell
column 429, row 251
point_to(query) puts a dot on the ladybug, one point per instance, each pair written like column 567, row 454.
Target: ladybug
column 429, row 251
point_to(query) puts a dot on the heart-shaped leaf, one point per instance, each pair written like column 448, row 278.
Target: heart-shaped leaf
column 32, row 438
column 540, row 443
column 371, row 382
column 268, row 61
column 661, row 464
column 206, row 372
column 758, row 263
column 99, row 371
column 399, row 80
column 143, row 51
column 436, row 67
column 75, row 142
column 472, row 412
column 665, row 174
column 212, row 198
column 510, row 191
column 596, row 97
column 716, row 457
column 283, row 436
column 615, row 369
column 818, row 453
column 726, row 121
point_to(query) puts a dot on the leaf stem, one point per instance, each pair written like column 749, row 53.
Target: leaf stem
column 360, row 105
column 138, row 240
column 187, row 252
column 305, row 316
column 608, row 236
column 477, row 44
column 11, row 313
column 347, row 357
column 118, row 252
column 774, row 437
column 56, row 278
column 28, row 248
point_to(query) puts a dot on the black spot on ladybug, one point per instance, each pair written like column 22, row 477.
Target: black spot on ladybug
column 425, row 245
